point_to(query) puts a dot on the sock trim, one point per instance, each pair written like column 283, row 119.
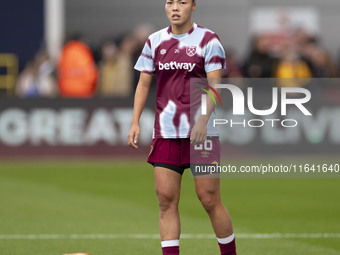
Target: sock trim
column 170, row 243
column 226, row 240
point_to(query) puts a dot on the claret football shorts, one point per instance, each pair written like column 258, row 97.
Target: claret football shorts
column 174, row 154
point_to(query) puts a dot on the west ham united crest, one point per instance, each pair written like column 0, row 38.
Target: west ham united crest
column 191, row 50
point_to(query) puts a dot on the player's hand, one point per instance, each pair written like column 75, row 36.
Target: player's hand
column 133, row 136
column 199, row 132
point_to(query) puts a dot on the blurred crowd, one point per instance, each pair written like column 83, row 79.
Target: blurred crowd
column 107, row 71
column 296, row 54
column 85, row 71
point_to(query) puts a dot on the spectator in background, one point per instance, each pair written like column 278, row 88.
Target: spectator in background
column 304, row 44
column 116, row 68
column 318, row 59
column 324, row 67
column 233, row 68
column 260, row 63
column 77, row 72
column 124, row 79
column 140, row 36
column 37, row 79
column 107, row 67
column 27, row 83
column 290, row 65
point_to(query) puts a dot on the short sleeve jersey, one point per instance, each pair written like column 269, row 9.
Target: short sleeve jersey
column 175, row 59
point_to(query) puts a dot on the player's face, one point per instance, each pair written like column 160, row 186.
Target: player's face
column 179, row 11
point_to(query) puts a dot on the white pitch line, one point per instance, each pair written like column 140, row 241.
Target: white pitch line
column 183, row 236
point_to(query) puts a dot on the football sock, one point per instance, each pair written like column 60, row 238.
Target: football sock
column 170, row 247
column 227, row 245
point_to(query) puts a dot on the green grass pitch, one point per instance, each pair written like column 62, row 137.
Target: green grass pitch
column 66, row 198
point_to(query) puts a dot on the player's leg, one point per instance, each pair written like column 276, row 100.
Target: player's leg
column 208, row 192
column 164, row 156
column 168, row 186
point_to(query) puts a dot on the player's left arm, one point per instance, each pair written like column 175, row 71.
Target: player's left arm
column 199, row 131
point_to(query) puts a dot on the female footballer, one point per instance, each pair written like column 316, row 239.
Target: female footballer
column 176, row 54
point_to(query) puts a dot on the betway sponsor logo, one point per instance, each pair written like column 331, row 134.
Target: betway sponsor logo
column 173, row 65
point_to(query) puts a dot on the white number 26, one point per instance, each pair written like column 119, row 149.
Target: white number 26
column 208, row 146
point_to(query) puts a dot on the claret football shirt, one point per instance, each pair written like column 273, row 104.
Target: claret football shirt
column 175, row 59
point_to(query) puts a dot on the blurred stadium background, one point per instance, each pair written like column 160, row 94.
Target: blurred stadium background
column 68, row 181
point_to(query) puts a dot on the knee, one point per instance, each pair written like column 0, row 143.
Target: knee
column 166, row 201
column 209, row 201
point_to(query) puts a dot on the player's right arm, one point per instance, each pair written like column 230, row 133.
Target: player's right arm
column 141, row 96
